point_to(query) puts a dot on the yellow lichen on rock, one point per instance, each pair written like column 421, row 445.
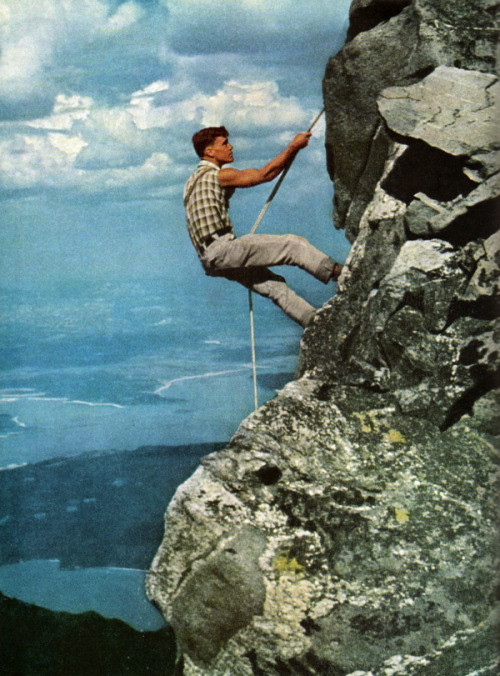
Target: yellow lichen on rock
column 368, row 422
column 402, row 515
column 284, row 564
column 394, row 437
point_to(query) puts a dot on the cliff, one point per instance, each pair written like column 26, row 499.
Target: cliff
column 348, row 526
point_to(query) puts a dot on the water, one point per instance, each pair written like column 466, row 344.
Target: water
column 117, row 366
column 112, row 592
column 110, row 368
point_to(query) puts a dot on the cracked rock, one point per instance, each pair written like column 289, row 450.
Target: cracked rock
column 451, row 109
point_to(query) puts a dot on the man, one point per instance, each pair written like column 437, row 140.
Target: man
column 246, row 259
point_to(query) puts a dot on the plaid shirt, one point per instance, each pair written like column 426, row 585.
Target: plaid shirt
column 207, row 204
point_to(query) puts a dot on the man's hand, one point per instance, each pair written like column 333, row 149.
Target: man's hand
column 301, row 140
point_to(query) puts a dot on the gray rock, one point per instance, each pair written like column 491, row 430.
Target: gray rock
column 420, row 213
column 355, row 137
column 481, row 165
column 419, row 331
column 467, row 652
column 451, row 109
column 483, row 201
column 373, row 545
column 409, row 328
column 438, row 180
column 220, row 595
column 426, row 34
column 484, row 285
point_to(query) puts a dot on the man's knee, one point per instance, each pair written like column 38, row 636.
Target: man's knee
column 296, row 240
column 276, row 288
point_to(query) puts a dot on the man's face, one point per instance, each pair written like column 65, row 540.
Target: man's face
column 220, row 151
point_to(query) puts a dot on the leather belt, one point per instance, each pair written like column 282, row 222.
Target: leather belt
column 216, row 235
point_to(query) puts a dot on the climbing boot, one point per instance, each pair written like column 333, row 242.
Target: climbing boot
column 337, row 271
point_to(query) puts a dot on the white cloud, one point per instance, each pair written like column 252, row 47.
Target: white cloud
column 151, row 90
column 67, row 110
column 236, row 104
column 153, row 169
column 114, row 124
column 48, row 161
column 144, row 111
column 257, row 104
column 32, row 32
column 124, row 17
column 4, row 13
column 70, row 145
column 25, row 159
column 21, row 62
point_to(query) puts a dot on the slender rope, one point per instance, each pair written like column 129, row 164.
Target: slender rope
column 254, row 363
column 255, row 226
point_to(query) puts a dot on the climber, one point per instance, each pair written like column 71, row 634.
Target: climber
column 245, row 259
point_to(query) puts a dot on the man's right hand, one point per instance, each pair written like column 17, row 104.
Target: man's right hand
column 301, row 140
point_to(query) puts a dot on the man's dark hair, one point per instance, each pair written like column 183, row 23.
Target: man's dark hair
column 206, row 137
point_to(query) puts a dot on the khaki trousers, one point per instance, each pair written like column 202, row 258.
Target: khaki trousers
column 245, row 260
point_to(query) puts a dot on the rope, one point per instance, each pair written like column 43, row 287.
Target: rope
column 254, row 365
column 255, row 226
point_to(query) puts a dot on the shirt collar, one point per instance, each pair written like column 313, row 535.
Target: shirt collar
column 207, row 163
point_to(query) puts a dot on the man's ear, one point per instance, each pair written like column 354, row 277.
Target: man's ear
column 208, row 151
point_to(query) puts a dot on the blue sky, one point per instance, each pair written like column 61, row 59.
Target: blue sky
column 98, row 103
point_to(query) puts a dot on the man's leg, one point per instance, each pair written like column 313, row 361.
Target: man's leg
column 268, row 284
column 268, row 250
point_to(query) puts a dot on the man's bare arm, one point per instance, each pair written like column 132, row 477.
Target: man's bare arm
column 246, row 178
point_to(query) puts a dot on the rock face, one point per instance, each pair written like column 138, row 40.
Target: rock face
column 338, row 531
column 422, row 35
column 347, row 528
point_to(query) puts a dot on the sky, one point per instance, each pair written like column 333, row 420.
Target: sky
column 99, row 100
